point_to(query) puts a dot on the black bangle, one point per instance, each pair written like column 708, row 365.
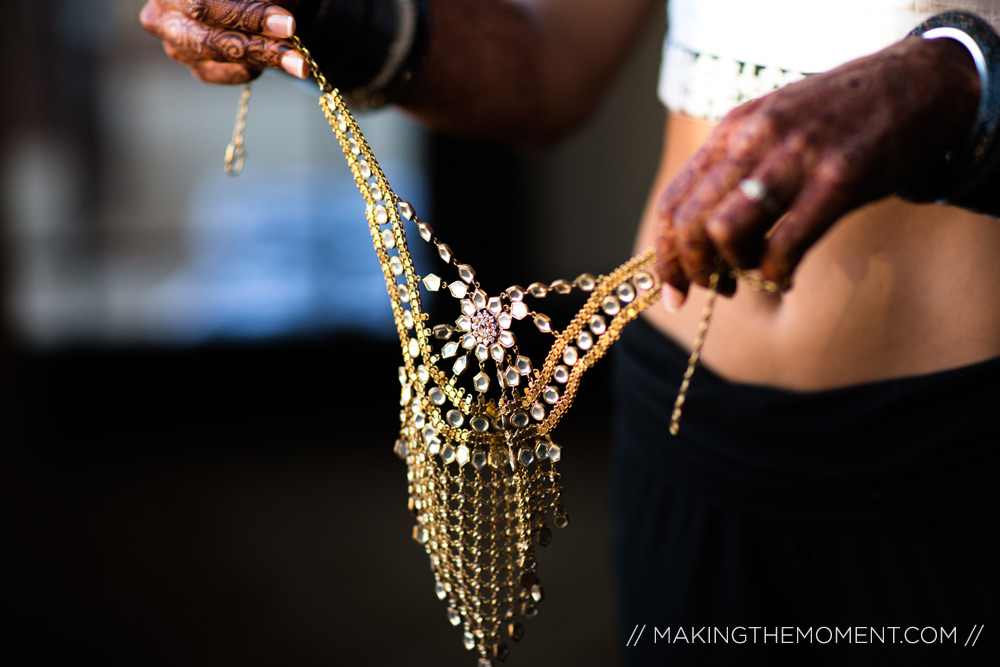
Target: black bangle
column 369, row 49
column 969, row 175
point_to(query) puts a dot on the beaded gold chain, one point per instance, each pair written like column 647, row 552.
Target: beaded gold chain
column 477, row 415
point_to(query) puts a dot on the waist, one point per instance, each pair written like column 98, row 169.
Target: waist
column 912, row 445
column 892, row 289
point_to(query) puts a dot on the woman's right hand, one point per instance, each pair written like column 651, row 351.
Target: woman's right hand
column 226, row 41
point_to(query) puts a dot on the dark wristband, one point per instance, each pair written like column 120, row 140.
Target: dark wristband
column 369, row 49
column 969, row 175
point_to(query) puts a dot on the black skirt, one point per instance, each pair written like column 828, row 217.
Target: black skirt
column 851, row 526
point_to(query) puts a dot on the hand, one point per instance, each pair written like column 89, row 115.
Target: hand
column 819, row 148
column 226, row 41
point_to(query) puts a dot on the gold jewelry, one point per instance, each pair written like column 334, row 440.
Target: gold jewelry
column 477, row 414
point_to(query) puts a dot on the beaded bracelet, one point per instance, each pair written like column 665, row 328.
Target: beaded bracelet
column 968, row 176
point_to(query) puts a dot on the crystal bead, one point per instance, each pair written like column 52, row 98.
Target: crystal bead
column 423, row 374
column 550, row 395
column 479, row 298
column 388, row 239
column 515, row 630
column 480, row 424
column 468, row 308
column 426, row 232
column 506, row 338
column 440, row 590
column 512, row 378
column 542, row 450
column 458, row 289
column 401, row 448
column 455, row 418
column 529, row 611
column 538, row 412
column 585, row 341
column 444, row 252
column 525, row 457
column 561, row 287
column 610, row 305
column 544, row 537
column 449, row 350
column 570, row 355
column 598, row 325
column 365, row 169
column 515, row 293
column 469, row 641
column 414, row 348
column 453, row 617
column 520, row 418
column 468, row 341
column 504, row 320
column 429, row 433
column 432, row 282
column 437, row 396
column 538, row 290
column 643, row 280
column 537, row 593
column 406, row 210
column 586, row 282
column 463, row 323
column 543, row 323
column 341, row 123
column 625, row 292
column 420, row 534
column 496, row 351
column 478, row 460
column 401, row 374
column 560, row 520
column 482, row 352
column 408, row 319
column 494, row 305
column 447, row 453
column 460, row 365
column 419, row 420
column 561, row 374
column 404, row 293
column 481, row 382
column 376, row 192
column 443, row 331
column 396, row 266
column 405, row 394
column 466, row 273
column 381, row 215
column 353, row 147
column 462, row 455
column 555, row 453
column 518, row 310
column 523, row 365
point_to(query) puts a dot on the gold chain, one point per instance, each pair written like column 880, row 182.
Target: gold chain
column 483, row 483
column 235, row 152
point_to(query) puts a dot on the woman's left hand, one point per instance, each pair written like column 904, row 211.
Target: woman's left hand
column 805, row 155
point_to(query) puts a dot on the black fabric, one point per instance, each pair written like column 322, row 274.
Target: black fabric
column 870, row 506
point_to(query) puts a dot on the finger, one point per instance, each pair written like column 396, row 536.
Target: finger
column 668, row 268
column 740, row 223
column 204, row 43
column 823, row 201
column 262, row 18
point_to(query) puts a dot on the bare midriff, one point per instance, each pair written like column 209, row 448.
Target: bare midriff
column 891, row 290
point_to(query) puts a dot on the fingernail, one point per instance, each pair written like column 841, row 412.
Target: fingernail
column 293, row 63
column 672, row 299
column 279, row 25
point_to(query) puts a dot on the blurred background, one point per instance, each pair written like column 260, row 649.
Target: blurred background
column 200, row 372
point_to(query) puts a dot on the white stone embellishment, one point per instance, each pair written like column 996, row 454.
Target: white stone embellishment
column 515, row 293
column 597, row 325
column 406, row 210
column 506, row 339
column 396, row 266
column 519, row 310
column 458, row 289
column 381, row 215
column 523, row 365
column 481, row 382
column 388, row 239
column 511, row 376
column 444, row 252
column 625, row 292
column 570, row 355
column 449, row 350
column 543, row 323
column 610, row 306
column 538, row 290
column 550, row 395
column 432, row 282
column 585, row 341
column 460, row 364
column 426, row 233
column 643, row 280
column 466, row 273
column 586, row 282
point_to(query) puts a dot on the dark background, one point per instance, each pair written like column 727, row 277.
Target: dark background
column 234, row 499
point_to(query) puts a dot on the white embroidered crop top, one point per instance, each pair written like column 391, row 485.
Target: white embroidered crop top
column 720, row 53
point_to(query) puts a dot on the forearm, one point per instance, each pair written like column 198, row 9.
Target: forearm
column 522, row 71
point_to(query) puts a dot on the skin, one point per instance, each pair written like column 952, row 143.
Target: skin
column 881, row 288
